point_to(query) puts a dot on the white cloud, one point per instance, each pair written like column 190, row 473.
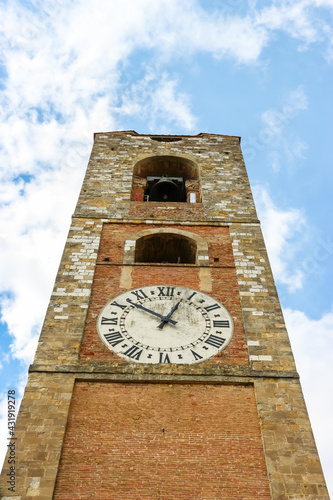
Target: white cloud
column 311, row 341
column 301, row 20
column 277, row 119
column 290, row 16
column 276, row 135
column 233, row 37
column 156, row 98
column 281, row 228
column 323, row 3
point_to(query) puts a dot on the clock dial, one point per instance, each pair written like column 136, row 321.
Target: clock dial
column 165, row 324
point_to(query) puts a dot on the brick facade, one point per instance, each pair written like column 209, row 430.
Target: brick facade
column 162, row 441
column 236, row 424
column 108, row 284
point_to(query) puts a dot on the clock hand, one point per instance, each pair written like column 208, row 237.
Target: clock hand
column 166, row 319
column 139, row 306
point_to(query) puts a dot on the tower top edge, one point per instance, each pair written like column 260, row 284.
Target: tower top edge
column 98, row 135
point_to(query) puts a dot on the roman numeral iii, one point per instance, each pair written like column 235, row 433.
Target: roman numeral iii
column 221, row 324
column 215, row 341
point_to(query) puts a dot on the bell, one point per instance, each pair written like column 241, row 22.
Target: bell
column 165, row 190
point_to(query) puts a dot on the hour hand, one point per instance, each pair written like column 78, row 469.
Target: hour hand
column 166, row 319
column 139, row 306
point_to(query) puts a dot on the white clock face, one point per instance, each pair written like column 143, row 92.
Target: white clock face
column 165, row 324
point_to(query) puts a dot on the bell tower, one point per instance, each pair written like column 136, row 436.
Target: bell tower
column 164, row 369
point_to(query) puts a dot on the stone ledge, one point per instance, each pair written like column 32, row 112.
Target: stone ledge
column 194, row 222
column 147, row 372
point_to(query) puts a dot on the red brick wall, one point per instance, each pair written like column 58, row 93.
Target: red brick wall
column 115, row 446
column 107, row 285
column 115, row 235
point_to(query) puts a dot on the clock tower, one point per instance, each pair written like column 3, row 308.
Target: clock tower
column 164, row 369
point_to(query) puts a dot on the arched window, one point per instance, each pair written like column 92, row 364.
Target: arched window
column 165, row 179
column 166, row 246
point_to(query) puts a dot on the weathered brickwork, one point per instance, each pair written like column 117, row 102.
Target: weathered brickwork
column 167, row 441
column 115, row 237
column 253, row 438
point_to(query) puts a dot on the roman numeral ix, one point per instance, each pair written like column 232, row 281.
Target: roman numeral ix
column 109, row 321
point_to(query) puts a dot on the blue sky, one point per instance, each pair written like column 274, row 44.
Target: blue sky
column 256, row 69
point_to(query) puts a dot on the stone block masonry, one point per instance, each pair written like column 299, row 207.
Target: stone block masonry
column 39, row 433
column 225, row 190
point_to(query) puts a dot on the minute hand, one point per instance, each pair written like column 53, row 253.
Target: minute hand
column 166, row 319
column 139, row 306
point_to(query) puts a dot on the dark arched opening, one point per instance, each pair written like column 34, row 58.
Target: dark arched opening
column 166, row 248
column 165, row 179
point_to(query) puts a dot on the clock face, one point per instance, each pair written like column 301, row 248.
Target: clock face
column 165, row 324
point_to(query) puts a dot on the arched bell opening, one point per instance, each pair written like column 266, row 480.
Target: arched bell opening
column 166, row 249
column 166, row 179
